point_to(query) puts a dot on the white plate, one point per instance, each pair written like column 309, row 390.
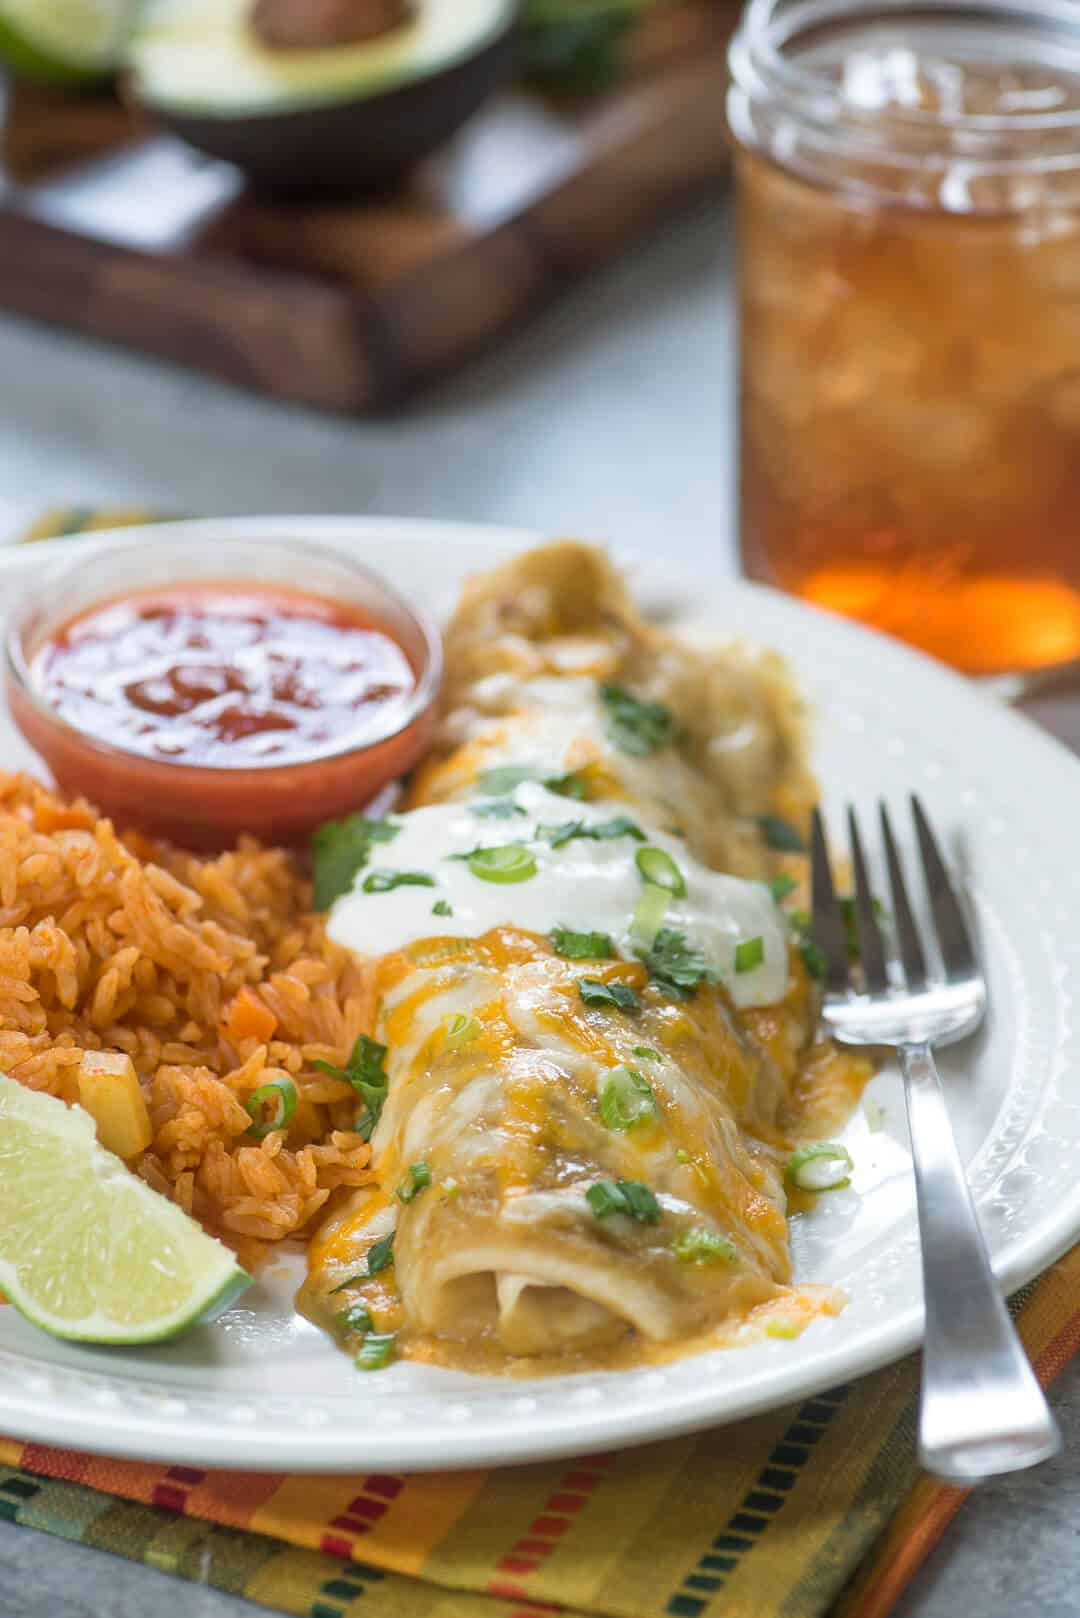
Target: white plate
column 263, row 1389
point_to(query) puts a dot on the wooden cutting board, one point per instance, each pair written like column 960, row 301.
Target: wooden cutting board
column 128, row 235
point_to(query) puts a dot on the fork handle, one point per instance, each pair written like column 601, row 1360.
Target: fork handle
column 982, row 1412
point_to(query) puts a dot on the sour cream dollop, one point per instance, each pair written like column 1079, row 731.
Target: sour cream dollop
column 587, row 883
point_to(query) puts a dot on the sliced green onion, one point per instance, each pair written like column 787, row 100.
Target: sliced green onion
column 278, row 1093
column 682, row 1155
column 356, row 1318
column 823, row 1166
column 450, row 1189
column 460, row 1027
column 626, row 1099
column 619, row 995
column 646, row 1053
column 628, row 1197
column 781, row 834
column 387, row 881
column 376, row 1351
column 701, row 1246
column 659, row 869
column 380, row 1255
column 749, row 954
column 511, row 862
column 605, row 1198
column 648, row 917
column 781, row 886
column 574, row 946
column 442, row 907
column 416, row 1180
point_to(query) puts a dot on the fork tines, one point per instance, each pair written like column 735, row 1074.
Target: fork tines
column 832, row 935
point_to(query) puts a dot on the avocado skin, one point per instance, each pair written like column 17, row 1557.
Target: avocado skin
column 352, row 147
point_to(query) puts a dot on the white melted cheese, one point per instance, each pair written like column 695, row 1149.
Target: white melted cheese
column 587, row 885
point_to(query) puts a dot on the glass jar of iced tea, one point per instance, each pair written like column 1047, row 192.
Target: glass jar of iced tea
column 909, row 226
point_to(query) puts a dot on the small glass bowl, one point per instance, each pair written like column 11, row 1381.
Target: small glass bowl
column 210, row 807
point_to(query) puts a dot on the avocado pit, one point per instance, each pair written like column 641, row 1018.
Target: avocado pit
column 304, row 25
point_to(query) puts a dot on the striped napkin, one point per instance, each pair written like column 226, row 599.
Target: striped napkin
column 815, row 1509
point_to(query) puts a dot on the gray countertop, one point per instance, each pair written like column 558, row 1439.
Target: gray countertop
column 610, row 417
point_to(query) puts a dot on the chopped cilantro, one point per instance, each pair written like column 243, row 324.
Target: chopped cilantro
column 380, row 1255
column 602, row 831
column 850, row 917
column 635, row 726
column 497, row 809
column 619, row 995
column 676, row 969
column 781, row 886
column 781, row 834
column 813, row 956
column 350, row 1281
column 574, row 946
column 572, row 785
column 507, row 778
column 341, row 848
column 366, row 1072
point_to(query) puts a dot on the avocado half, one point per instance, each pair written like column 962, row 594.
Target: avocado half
column 76, row 46
column 337, row 118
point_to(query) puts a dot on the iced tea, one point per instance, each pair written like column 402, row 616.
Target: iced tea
column 910, row 367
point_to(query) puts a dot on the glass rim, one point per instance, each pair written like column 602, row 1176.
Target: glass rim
column 40, row 603
column 761, row 65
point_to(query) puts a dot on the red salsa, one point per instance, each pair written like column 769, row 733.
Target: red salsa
column 226, row 675
column 211, row 711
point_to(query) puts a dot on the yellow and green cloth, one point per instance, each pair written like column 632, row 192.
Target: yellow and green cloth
column 818, row 1508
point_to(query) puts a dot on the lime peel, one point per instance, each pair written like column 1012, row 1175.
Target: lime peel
column 88, row 1251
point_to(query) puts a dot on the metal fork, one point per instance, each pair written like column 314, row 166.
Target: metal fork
column 982, row 1412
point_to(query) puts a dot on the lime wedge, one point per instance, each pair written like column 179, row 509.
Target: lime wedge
column 64, row 41
column 87, row 1250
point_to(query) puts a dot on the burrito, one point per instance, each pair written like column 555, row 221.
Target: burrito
column 593, row 1042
